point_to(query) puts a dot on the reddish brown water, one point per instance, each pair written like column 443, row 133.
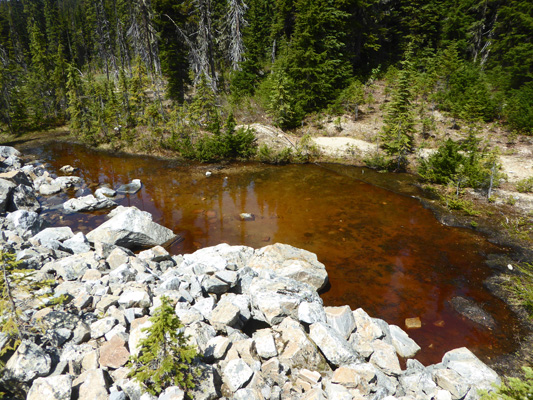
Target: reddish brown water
column 383, row 251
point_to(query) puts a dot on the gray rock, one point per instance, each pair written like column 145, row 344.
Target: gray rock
column 472, row 370
column 205, row 306
column 27, row 363
column 216, row 348
column 18, row 177
column 88, row 203
column 404, row 345
column 24, row 199
column 205, row 388
column 265, row 344
column 66, row 182
column 131, row 228
column 105, row 192
column 118, row 256
column 8, row 151
column 384, row 357
column 135, row 298
column 311, row 313
column 332, row 344
column 102, row 326
column 236, row 374
column 130, row 188
column 51, row 388
column 156, row 254
column 68, row 169
column 27, row 223
column 338, row 392
column 6, row 190
column 291, row 262
column 78, row 244
column 60, row 234
column 214, row 285
column 47, row 189
column 473, row 312
column 341, row 319
column 73, row 267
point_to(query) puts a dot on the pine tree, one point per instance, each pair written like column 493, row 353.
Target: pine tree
column 397, row 133
column 165, row 356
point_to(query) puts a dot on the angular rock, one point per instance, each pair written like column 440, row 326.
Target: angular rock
column 404, row 345
column 206, row 388
column 156, row 254
column 68, row 181
column 73, row 267
column 332, row 344
column 114, row 353
column 78, row 244
column 68, row 169
column 172, row 393
column 138, row 333
column 341, row 319
column 92, row 385
column 27, row 363
column 27, row 223
column 384, row 357
column 338, row 392
column 224, row 315
column 130, row 188
column 8, row 151
column 216, row 348
column 135, row 298
column 291, row 262
column 470, row 368
column 451, row 381
column 311, row 313
column 24, row 199
column 51, row 388
column 131, row 228
column 214, row 285
column 47, row 189
column 236, row 374
column 88, row 203
column 264, row 343
column 60, row 234
column 102, row 326
column 6, row 190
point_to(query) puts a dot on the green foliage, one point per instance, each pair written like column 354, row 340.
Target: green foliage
column 513, row 388
column 270, row 156
column 165, row 357
column 525, row 185
column 281, row 104
column 462, row 165
column 454, row 202
column 522, row 287
column 519, row 110
column 13, row 282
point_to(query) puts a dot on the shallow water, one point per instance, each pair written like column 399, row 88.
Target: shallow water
column 383, row 251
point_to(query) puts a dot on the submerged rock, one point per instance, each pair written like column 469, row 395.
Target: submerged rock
column 130, row 188
column 88, row 203
column 473, row 312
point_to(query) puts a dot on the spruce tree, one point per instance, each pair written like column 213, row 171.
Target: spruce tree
column 397, row 134
column 165, row 355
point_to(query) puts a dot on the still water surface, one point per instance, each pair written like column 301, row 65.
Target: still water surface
column 383, row 251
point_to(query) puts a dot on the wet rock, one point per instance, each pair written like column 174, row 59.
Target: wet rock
column 51, row 388
column 130, row 188
column 413, row 323
column 332, row 344
column 404, row 345
column 473, row 312
column 246, row 217
column 104, row 192
column 291, row 262
column 27, row 363
column 68, row 169
column 88, row 203
column 47, row 189
column 131, row 228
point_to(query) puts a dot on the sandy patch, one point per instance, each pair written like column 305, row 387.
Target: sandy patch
column 343, row 146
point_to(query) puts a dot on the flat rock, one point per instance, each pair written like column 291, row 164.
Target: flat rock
column 236, row 374
column 104, row 192
column 384, row 357
column 291, row 262
column 131, row 228
column 93, row 385
column 130, row 188
column 265, row 344
column 88, row 203
column 341, row 319
column 114, row 353
column 24, row 199
column 469, row 309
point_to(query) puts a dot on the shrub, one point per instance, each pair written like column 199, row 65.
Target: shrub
column 513, row 388
column 525, row 185
column 519, row 110
column 165, row 356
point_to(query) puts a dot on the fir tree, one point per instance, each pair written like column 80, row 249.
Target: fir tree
column 165, row 356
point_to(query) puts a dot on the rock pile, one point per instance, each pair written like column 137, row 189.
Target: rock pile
column 254, row 315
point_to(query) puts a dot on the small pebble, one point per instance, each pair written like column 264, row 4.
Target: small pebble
column 208, row 173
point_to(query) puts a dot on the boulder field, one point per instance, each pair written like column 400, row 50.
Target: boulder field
column 255, row 316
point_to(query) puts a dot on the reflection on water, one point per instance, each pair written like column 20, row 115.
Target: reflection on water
column 384, row 252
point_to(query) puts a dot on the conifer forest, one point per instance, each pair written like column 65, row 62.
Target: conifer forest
column 108, row 67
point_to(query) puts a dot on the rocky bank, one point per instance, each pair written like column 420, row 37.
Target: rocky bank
column 254, row 314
